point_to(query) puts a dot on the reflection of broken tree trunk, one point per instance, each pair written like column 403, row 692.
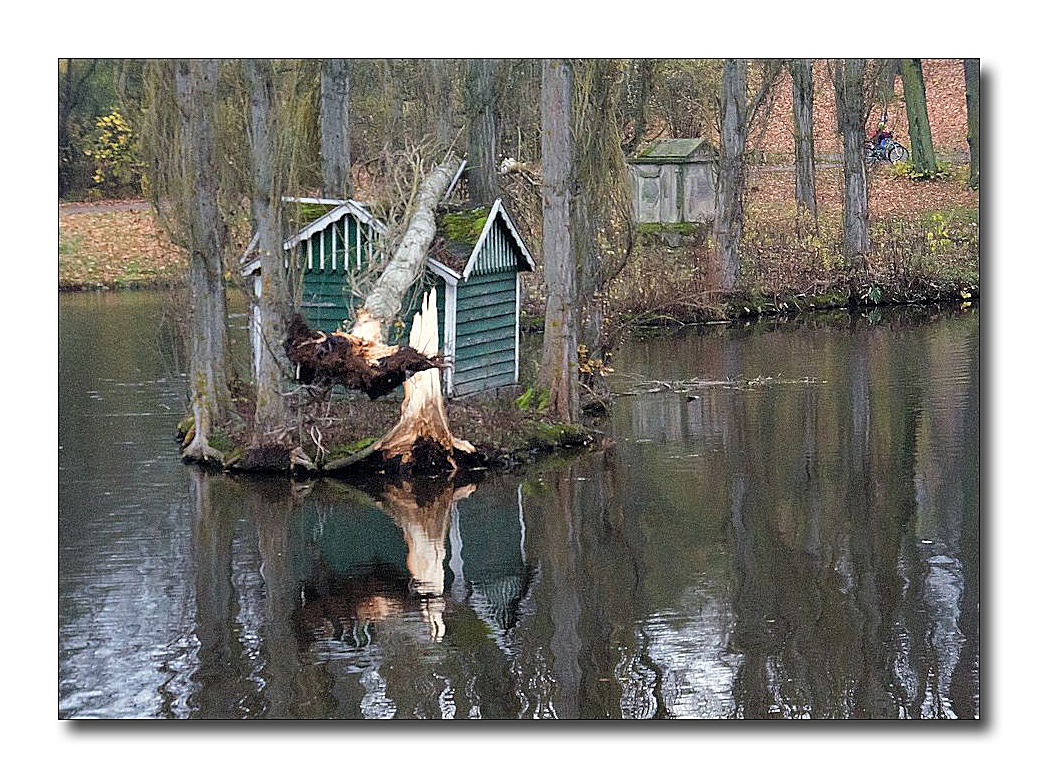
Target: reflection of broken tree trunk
column 422, row 510
column 361, row 360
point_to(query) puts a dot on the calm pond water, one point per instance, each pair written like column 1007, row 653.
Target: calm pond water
column 799, row 539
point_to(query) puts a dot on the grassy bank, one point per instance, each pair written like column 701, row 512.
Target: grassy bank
column 924, row 248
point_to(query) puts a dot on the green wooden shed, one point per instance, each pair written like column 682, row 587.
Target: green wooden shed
column 476, row 270
column 474, row 263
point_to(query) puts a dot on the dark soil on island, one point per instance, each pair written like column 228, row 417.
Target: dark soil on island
column 335, row 429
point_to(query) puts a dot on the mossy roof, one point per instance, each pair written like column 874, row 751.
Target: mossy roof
column 675, row 150
column 459, row 231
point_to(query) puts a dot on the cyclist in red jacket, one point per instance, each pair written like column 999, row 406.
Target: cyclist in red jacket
column 880, row 137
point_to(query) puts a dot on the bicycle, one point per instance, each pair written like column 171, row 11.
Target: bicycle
column 890, row 150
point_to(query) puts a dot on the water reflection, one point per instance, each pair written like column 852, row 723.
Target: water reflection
column 808, row 549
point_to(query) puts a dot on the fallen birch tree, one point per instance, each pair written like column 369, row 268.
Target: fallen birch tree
column 362, row 360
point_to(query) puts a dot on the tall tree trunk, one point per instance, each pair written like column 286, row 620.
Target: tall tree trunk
column 971, row 89
column 728, row 215
column 559, row 364
column 851, row 119
column 922, row 152
column 887, row 70
column 335, row 127
column 641, row 72
column 600, row 206
column 196, row 84
column 442, row 71
column 804, row 147
column 274, row 304
column 482, row 131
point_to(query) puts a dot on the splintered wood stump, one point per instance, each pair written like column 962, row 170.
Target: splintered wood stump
column 422, row 434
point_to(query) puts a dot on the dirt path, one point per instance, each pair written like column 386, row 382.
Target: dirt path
column 127, row 205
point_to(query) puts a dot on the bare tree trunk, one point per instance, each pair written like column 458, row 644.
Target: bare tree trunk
column 728, row 215
column 642, row 72
column 559, row 367
column 442, row 71
column 482, row 131
column 922, row 152
column 887, row 69
column 590, row 276
column 601, row 209
column 851, row 117
column 210, row 398
column 804, row 147
column 275, row 303
column 971, row 88
column 334, row 127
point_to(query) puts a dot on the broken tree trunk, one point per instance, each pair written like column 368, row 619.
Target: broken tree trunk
column 384, row 300
column 322, row 357
column 362, row 360
column 422, row 436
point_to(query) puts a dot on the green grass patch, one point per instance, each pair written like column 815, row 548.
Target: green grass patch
column 68, row 243
column 343, row 450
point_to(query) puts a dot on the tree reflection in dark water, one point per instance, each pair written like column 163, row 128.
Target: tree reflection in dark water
column 808, row 549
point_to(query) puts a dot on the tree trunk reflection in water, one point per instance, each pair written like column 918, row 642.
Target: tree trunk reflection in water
column 222, row 676
column 834, row 585
column 848, row 596
column 946, row 524
column 586, row 601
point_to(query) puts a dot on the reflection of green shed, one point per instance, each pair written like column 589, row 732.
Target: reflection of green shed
column 474, row 263
column 674, row 181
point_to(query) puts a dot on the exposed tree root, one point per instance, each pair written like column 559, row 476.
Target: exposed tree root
column 201, row 452
column 327, row 359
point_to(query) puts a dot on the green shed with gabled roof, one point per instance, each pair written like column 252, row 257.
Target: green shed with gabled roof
column 475, row 264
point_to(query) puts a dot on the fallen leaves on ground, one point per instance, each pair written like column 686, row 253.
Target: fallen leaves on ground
column 118, row 249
